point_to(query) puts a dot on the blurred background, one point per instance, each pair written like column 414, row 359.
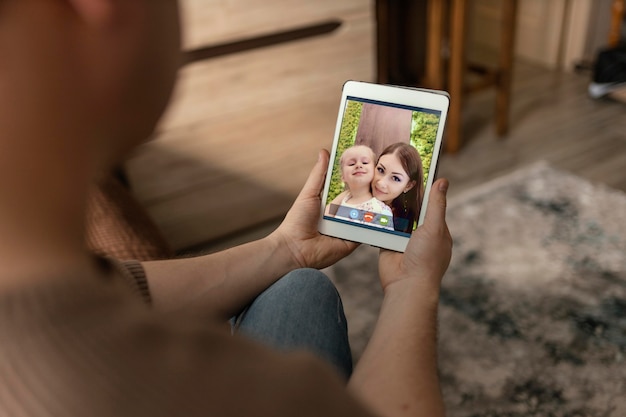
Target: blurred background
column 259, row 94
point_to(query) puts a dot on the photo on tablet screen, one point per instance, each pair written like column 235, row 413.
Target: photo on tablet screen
column 382, row 162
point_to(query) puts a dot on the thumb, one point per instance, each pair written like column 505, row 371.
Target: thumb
column 314, row 183
column 437, row 202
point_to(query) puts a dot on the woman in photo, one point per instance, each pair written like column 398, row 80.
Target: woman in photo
column 399, row 183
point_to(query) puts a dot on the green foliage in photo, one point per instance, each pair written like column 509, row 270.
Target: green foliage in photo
column 347, row 137
column 423, row 135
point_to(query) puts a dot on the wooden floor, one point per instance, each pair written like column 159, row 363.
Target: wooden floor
column 552, row 119
column 249, row 115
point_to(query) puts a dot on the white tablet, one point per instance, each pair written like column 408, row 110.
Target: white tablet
column 382, row 164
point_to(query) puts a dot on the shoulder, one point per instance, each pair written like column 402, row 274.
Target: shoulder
column 331, row 208
column 220, row 374
column 340, row 197
column 169, row 364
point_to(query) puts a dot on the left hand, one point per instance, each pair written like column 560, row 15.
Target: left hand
column 429, row 250
column 309, row 248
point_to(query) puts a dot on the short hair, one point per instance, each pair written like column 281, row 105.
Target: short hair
column 353, row 147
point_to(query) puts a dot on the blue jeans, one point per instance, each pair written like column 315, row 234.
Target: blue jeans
column 302, row 310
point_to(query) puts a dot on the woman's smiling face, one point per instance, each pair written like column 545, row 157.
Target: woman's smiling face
column 390, row 179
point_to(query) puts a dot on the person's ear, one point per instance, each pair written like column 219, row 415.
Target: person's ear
column 94, row 11
column 410, row 185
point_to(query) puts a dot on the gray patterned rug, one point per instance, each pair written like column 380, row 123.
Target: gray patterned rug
column 533, row 307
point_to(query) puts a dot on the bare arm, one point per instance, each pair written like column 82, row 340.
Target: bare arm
column 397, row 374
column 223, row 283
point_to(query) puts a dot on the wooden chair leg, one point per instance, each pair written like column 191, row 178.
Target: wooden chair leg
column 434, row 71
column 618, row 8
column 505, row 72
column 382, row 40
column 455, row 74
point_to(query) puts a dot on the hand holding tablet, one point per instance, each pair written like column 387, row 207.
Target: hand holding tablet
column 382, row 163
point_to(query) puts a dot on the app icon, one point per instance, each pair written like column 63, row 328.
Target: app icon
column 368, row 217
column 354, row 214
column 384, row 220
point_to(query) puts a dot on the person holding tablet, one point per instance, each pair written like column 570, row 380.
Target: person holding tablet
column 83, row 83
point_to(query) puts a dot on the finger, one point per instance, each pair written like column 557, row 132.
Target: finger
column 386, row 253
column 345, row 246
column 314, row 183
column 437, row 202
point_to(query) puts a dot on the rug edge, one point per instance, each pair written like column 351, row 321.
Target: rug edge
column 500, row 180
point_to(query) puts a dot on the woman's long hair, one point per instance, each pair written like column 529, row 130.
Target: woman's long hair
column 407, row 205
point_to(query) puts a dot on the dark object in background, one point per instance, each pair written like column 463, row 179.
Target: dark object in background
column 609, row 72
column 401, row 41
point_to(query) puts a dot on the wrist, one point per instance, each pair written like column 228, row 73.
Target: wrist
column 284, row 251
column 425, row 289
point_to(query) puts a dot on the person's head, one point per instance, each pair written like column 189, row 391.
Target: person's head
column 399, row 182
column 357, row 167
column 99, row 69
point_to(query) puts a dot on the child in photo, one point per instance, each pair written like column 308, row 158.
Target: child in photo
column 357, row 203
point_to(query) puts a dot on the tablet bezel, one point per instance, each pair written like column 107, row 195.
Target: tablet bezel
column 414, row 98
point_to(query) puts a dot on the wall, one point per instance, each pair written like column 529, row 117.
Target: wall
column 557, row 34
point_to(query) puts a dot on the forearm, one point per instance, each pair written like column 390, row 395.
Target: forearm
column 224, row 283
column 221, row 283
column 397, row 374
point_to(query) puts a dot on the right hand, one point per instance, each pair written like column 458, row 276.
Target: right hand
column 428, row 252
column 298, row 232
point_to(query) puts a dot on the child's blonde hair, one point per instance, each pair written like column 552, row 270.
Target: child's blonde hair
column 341, row 159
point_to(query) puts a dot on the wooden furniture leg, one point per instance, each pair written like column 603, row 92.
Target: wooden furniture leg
column 382, row 40
column 617, row 20
column 505, row 70
column 456, row 70
column 500, row 77
column 434, row 68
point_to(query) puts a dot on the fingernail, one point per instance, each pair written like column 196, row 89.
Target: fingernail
column 443, row 186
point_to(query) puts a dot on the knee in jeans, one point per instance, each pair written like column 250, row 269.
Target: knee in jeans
column 308, row 281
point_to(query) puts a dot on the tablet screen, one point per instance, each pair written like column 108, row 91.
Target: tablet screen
column 381, row 165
